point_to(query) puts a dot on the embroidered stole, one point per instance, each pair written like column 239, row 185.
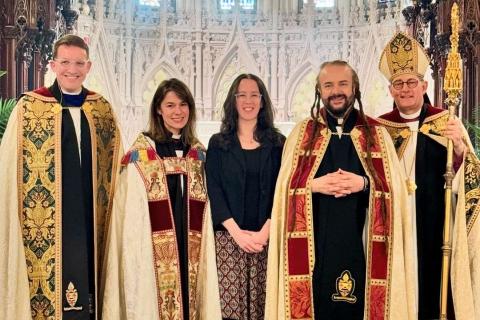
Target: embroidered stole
column 154, row 171
column 40, row 191
column 433, row 127
column 299, row 240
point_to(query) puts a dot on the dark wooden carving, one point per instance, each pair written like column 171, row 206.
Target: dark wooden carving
column 27, row 33
column 438, row 15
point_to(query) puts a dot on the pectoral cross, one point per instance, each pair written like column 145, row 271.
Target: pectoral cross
column 339, row 128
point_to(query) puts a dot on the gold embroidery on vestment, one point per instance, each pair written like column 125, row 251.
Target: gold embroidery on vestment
column 72, row 296
column 345, row 285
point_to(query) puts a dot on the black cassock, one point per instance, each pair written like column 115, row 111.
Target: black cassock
column 338, row 229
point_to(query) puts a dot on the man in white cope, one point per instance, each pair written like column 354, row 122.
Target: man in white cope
column 58, row 161
column 420, row 132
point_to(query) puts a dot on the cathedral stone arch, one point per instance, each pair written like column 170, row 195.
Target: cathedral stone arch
column 221, row 87
column 154, row 77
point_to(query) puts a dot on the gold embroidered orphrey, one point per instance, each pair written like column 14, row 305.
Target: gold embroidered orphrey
column 72, row 296
column 40, row 191
column 345, row 285
column 167, row 269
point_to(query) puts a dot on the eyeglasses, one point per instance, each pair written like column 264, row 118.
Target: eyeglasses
column 411, row 83
column 68, row 63
column 243, row 96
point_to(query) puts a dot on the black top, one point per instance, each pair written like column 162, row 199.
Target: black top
column 179, row 208
column 338, row 227
column 226, row 170
column 252, row 189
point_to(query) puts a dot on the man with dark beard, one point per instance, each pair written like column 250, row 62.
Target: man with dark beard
column 334, row 224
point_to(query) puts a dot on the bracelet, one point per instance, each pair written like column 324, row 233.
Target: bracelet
column 365, row 183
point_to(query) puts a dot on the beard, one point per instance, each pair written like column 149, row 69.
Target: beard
column 338, row 112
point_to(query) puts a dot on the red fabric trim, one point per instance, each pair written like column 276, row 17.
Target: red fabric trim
column 300, row 302
column 457, row 162
column 126, row 159
column 363, row 140
column 160, row 216
column 378, row 227
column 298, row 211
column 394, row 115
column 43, row 91
column 377, row 302
column 378, row 165
column 379, row 258
column 307, row 135
column 297, row 256
column 370, row 121
column 301, row 182
column 431, row 111
column 196, row 214
column 193, row 153
column 151, row 154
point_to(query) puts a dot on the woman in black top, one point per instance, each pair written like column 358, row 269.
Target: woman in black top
column 242, row 165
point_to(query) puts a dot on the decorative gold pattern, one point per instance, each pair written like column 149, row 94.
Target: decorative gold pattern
column 167, row 269
column 71, row 296
column 403, row 55
column 452, row 83
column 298, row 287
column 167, row 274
column 299, row 280
column 472, row 189
column 345, row 286
column 40, row 191
column 40, row 211
column 105, row 138
column 372, row 228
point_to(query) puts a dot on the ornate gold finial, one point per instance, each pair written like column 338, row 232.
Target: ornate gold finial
column 452, row 83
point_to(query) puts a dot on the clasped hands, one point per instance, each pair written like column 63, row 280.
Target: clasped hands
column 248, row 241
column 340, row 183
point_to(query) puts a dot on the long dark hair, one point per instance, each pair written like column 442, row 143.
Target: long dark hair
column 264, row 129
column 315, row 114
column 156, row 126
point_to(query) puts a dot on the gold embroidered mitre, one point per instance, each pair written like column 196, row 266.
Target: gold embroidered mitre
column 403, row 55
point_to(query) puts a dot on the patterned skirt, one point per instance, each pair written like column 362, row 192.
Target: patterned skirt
column 241, row 278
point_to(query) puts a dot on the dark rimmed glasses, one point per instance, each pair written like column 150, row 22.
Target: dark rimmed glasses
column 411, row 83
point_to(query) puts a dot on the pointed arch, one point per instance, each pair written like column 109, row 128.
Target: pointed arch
column 157, row 73
column 297, row 77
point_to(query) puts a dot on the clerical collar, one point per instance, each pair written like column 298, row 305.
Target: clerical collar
column 71, row 93
column 410, row 117
column 68, row 100
column 349, row 120
column 176, row 136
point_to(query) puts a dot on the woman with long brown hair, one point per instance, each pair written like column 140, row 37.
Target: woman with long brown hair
column 242, row 167
column 166, row 265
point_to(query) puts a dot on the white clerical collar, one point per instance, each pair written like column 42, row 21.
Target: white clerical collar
column 176, row 136
column 72, row 93
column 410, row 116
